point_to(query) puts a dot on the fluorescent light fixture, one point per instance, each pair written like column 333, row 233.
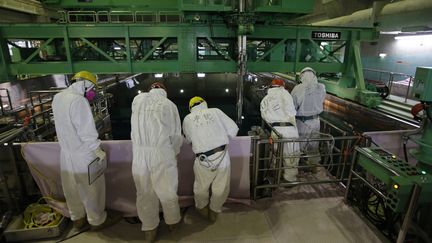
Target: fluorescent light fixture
column 201, row 75
column 382, row 55
column 226, row 90
column 117, row 48
column 181, row 91
column 414, row 37
column 158, row 75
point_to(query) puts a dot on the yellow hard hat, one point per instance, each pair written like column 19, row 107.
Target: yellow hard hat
column 87, row 76
column 195, row 101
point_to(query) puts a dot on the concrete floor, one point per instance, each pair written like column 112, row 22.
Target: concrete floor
column 267, row 220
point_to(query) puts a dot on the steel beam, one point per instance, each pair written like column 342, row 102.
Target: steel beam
column 184, row 55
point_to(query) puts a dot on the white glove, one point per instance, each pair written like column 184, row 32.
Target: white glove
column 100, row 153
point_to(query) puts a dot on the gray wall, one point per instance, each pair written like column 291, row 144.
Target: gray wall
column 402, row 56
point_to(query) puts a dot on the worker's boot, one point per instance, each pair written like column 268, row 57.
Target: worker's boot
column 150, row 235
column 213, row 216
column 204, row 212
column 80, row 224
column 112, row 218
column 173, row 227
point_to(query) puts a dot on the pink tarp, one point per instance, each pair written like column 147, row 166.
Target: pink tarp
column 43, row 159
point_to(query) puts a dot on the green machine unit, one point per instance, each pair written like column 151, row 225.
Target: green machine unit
column 393, row 188
column 422, row 90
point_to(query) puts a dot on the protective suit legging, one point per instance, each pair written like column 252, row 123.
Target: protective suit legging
column 153, row 184
column 218, row 181
column 83, row 198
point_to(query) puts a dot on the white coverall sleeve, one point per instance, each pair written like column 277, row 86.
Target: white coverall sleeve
column 83, row 121
column 289, row 105
column 264, row 108
column 186, row 130
column 229, row 125
column 295, row 93
column 175, row 133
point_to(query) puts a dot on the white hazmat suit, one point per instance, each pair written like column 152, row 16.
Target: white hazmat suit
column 277, row 106
column 78, row 138
column 156, row 139
column 308, row 99
column 209, row 129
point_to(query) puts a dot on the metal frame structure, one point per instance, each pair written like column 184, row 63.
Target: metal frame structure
column 271, row 160
column 184, row 47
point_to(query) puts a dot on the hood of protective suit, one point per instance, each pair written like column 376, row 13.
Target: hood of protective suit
column 275, row 90
column 159, row 92
column 199, row 107
column 79, row 87
column 309, row 78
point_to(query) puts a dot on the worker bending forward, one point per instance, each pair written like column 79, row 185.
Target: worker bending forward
column 277, row 109
column 308, row 99
column 156, row 139
column 208, row 130
column 79, row 143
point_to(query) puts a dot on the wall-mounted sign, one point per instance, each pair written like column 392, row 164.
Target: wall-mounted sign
column 326, row 35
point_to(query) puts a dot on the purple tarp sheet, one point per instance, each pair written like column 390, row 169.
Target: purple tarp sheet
column 43, row 159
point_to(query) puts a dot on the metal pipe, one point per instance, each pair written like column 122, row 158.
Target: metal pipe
column 296, row 183
column 392, row 17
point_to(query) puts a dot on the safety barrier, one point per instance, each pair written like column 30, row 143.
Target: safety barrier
column 334, row 153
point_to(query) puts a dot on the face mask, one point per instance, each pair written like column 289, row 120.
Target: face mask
column 90, row 95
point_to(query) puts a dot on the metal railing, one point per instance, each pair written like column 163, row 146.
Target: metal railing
column 120, row 17
column 389, row 79
column 4, row 93
column 334, row 153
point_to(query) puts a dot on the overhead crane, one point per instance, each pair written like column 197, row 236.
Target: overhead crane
column 187, row 36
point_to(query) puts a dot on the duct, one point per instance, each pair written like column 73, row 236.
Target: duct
column 393, row 17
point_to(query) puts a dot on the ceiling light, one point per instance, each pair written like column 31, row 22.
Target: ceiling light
column 382, row 55
column 414, row 37
column 117, row 48
column 226, row 90
column 158, row 75
column 181, row 91
column 201, row 75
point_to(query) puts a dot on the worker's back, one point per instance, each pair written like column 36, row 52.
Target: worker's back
column 152, row 119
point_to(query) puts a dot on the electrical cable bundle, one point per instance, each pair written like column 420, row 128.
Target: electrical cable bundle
column 38, row 215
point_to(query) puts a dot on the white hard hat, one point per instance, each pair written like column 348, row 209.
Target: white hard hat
column 307, row 69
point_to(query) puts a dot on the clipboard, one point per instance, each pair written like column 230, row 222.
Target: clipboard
column 95, row 169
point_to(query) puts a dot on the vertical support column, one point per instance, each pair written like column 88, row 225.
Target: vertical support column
column 128, row 50
column 242, row 68
column 68, row 49
column 4, row 59
column 358, row 67
column 298, row 50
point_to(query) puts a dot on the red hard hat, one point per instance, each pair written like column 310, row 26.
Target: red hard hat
column 158, row 85
column 278, row 82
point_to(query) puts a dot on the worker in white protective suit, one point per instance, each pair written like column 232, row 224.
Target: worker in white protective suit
column 156, row 139
column 277, row 109
column 308, row 97
column 209, row 130
column 79, row 143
